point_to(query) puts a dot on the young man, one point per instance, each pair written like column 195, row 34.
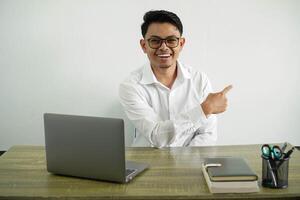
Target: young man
column 169, row 103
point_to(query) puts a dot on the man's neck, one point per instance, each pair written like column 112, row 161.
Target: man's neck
column 166, row 76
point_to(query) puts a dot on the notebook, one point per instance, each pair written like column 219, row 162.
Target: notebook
column 231, row 169
column 229, row 175
column 88, row 147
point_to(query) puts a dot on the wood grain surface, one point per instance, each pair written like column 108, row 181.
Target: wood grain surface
column 174, row 173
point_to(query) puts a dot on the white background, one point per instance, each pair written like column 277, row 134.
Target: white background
column 70, row 56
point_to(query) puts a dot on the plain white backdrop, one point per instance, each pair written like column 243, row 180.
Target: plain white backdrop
column 70, row 56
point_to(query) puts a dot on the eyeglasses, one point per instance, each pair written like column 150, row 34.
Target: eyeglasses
column 156, row 42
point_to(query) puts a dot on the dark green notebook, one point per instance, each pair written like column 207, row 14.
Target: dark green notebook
column 231, row 169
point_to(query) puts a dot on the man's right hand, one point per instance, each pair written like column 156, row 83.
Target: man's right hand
column 216, row 102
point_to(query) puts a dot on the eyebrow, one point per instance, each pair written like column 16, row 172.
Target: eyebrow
column 155, row 36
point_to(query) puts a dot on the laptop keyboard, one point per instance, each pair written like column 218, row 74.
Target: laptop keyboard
column 129, row 171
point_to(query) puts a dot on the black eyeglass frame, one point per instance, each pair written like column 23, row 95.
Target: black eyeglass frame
column 163, row 41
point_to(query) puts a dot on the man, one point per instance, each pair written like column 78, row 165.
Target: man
column 169, row 103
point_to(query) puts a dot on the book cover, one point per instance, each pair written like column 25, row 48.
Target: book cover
column 230, row 169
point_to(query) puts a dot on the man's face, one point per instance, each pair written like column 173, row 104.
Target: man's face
column 165, row 55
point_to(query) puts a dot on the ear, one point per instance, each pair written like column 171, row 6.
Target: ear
column 143, row 45
column 181, row 43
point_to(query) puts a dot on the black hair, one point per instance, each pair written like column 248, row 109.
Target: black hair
column 160, row 16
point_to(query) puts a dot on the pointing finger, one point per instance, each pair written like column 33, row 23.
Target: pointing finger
column 225, row 90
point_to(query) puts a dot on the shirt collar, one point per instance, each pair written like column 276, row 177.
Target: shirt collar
column 148, row 76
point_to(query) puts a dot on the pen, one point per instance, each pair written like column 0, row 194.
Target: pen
column 288, row 154
column 284, row 147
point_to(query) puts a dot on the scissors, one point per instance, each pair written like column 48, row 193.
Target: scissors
column 271, row 152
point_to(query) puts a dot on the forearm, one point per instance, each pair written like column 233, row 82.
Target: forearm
column 176, row 132
column 164, row 133
column 206, row 135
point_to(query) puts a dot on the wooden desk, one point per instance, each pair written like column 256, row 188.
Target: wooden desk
column 174, row 174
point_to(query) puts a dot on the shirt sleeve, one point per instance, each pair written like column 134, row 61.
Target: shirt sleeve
column 180, row 131
column 205, row 134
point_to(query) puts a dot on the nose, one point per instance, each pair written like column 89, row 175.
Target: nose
column 163, row 45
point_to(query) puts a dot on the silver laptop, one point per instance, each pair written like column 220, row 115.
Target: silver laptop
column 88, row 147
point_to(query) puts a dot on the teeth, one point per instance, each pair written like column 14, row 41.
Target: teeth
column 163, row 55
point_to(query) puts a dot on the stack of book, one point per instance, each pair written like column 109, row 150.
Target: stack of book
column 229, row 175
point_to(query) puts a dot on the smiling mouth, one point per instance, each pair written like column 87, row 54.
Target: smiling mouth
column 165, row 55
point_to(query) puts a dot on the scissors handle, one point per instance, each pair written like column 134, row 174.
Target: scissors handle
column 274, row 153
column 277, row 152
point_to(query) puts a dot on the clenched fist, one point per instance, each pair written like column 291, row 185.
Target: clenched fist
column 216, row 102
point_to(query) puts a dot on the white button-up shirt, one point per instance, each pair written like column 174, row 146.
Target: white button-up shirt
column 166, row 117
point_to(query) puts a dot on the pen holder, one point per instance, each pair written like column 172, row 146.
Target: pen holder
column 275, row 172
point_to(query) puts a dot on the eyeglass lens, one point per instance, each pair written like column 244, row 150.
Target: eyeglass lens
column 171, row 42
